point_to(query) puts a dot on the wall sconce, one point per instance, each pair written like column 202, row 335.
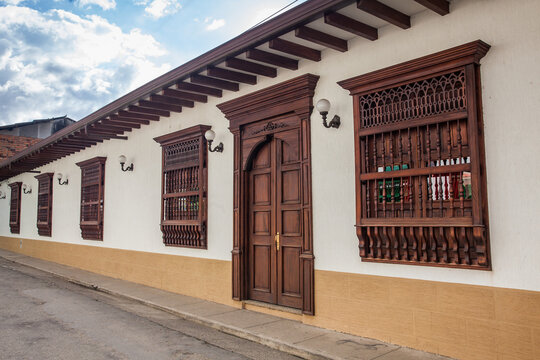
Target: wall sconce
column 2, row 195
column 323, row 106
column 27, row 189
column 210, row 135
column 122, row 161
column 59, row 177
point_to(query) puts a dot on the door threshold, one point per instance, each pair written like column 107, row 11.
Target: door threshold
column 275, row 307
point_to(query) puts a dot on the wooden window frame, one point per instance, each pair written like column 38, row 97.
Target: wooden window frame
column 93, row 229
column 15, row 221
column 45, row 192
column 423, row 221
column 189, row 229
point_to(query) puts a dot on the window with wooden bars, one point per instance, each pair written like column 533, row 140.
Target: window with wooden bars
column 44, row 206
column 15, row 207
column 184, row 184
column 420, row 174
column 92, row 197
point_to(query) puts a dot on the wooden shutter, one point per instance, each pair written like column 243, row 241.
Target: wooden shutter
column 15, row 208
column 421, row 196
column 44, row 206
column 92, row 197
column 184, row 183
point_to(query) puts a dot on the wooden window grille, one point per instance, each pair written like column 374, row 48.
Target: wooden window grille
column 15, row 207
column 92, row 197
column 184, row 187
column 421, row 184
column 44, row 206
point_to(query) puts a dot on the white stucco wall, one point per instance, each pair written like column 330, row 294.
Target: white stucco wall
column 511, row 102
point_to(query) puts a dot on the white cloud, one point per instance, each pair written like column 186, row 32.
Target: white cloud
column 12, row 2
column 215, row 24
column 160, row 8
column 104, row 4
column 56, row 62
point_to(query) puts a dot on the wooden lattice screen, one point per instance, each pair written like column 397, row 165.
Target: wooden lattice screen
column 44, row 206
column 421, row 195
column 15, row 208
column 92, row 197
column 184, row 183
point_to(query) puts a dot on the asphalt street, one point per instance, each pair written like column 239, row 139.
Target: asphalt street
column 45, row 317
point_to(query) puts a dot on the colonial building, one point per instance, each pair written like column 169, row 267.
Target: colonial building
column 361, row 166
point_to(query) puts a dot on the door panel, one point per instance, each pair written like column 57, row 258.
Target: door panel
column 276, row 206
column 262, row 257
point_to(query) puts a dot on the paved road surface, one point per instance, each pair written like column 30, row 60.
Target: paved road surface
column 44, row 317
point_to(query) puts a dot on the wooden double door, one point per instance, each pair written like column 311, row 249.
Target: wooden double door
column 274, row 231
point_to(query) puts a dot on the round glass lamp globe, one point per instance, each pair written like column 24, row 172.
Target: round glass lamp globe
column 323, row 106
column 122, row 159
column 210, row 135
column 59, row 176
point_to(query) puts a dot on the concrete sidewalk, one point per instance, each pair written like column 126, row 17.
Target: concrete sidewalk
column 289, row 336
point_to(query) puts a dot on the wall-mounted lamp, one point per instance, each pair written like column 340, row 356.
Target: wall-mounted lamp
column 210, row 135
column 323, row 106
column 27, row 189
column 122, row 161
column 59, row 177
column 2, row 195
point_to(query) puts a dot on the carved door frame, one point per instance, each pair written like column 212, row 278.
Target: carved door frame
column 292, row 97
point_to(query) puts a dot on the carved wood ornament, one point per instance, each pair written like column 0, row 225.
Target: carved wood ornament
column 421, row 194
column 271, row 130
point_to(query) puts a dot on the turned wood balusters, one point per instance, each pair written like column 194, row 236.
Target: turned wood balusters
column 421, row 196
column 184, row 187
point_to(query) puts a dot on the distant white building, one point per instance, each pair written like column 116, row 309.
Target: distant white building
column 40, row 128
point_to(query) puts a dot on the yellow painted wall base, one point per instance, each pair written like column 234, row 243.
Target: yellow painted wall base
column 203, row 278
column 461, row 321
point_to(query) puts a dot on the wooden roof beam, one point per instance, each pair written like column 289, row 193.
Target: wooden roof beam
column 128, row 114
column 171, row 100
column 199, row 89
column 385, row 12
column 185, row 95
column 141, row 110
column 159, row 106
column 441, row 7
column 121, row 124
column 216, row 83
column 128, row 121
column 351, row 25
column 321, row 38
column 232, row 75
column 249, row 66
column 295, row 49
column 272, row 59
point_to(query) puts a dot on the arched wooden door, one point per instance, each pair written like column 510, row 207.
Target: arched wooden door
column 272, row 193
column 274, row 226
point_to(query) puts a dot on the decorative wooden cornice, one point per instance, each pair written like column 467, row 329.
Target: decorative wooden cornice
column 44, row 176
column 92, row 161
column 292, row 95
column 465, row 54
column 183, row 134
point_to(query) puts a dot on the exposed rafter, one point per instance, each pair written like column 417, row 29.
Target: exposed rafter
column 385, row 12
column 441, row 7
column 351, row 25
column 295, row 49
column 321, row 38
column 232, row 75
column 272, row 59
column 217, row 83
column 252, row 67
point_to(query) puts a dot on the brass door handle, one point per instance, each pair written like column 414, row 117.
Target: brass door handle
column 277, row 241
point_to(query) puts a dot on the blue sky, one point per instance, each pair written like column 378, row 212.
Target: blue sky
column 72, row 57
